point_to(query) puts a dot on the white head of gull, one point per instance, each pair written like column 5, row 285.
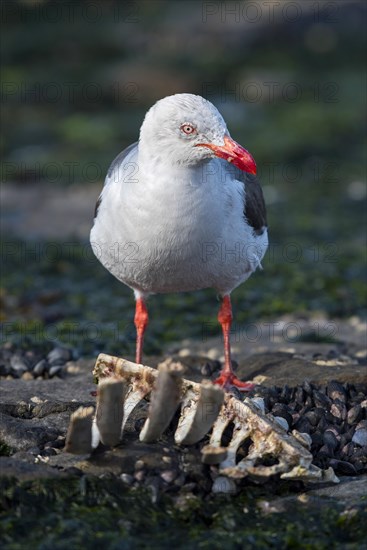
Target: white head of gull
column 178, row 213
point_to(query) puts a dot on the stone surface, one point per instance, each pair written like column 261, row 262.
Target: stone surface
column 51, row 204
column 34, row 414
column 274, row 355
column 347, row 497
column 286, row 368
column 23, row 433
column 351, row 490
column 25, row 469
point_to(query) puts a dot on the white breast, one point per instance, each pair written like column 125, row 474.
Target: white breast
column 158, row 233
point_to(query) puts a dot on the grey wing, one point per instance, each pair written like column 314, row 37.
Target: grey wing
column 116, row 163
column 254, row 208
column 120, row 159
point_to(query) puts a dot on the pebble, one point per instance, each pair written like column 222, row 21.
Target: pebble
column 308, row 387
column 55, row 370
column 224, row 485
column 305, row 439
column 339, row 410
column 335, row 430
column 321, row 400
column 286, row 394
column 309, row 402
column 49, row 451
column 330, row 440
column 282, row 422
column 206, row 370
column 127, row 478
column 140, row 475
column 152, row 483
column 343, row 467
column 317, row 439
column 40, row 367
column 180, row 480
column 14, row 362
column 139, row 465
column 360, row 453
column 58, row 443
column 259, row 403
column 168, row 475
column 4, row 369
column 361, row 424
column 313, row 417
column 323, row 424
column 59, row 356
column 354, row 414
column 360, row 437
column 348, row 449
column 336, row 390
column 34, row 451
column 303, row 425
column 18, row 365
column 359, row 466
column 300, row 395
column 330, row 418
column 184, row 352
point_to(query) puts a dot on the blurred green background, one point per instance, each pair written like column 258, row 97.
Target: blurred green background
column 77, row 78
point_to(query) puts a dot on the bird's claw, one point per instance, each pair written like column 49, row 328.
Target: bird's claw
column 228, row 381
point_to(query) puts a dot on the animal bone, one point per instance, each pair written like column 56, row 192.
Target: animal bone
column 110, row 410
column 164, row 401
column 79, row 436
column 199, row 411
column 204, row 407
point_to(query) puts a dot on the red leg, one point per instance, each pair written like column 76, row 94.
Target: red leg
column 141, row 322
column 227, row 377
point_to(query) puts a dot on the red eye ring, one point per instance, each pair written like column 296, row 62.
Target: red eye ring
column 188, row 129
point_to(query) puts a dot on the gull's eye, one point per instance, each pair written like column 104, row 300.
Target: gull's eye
column 188, row 129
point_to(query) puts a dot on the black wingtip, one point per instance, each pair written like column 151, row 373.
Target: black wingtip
column 98, row 204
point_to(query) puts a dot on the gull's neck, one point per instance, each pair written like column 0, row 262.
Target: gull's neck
column 156, row 165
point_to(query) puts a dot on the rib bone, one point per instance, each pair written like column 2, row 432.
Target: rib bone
column 256, row 436
column 164, row 401
column 198, row 413
column 110, row 410
column 79, row 436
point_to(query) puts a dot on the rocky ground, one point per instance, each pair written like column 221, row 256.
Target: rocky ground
column 319, row 389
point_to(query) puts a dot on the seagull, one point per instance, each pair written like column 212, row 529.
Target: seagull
column 181, row 210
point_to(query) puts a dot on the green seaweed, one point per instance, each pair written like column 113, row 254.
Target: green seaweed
column 87, row 512
column 5, row 450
